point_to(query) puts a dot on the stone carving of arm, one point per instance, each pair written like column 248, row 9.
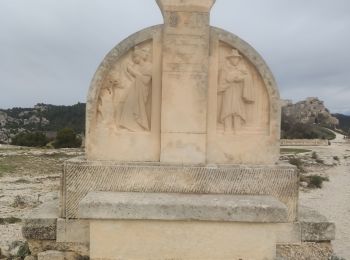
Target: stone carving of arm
column 248, row 88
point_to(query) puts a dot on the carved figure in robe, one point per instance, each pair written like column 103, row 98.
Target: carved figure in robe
column 236, row 88
column 132, row 93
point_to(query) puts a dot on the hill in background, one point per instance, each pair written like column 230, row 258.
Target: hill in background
column 42, row 118
column 306, row 119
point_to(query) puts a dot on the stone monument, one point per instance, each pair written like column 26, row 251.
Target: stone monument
column 182, row 149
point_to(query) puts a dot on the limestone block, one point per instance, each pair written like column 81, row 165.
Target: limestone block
column 81, row 177
column 57, row 255
column 159, row 240
column 305, row 251
column 315, row 227
column 73, row 231
column 288, row 233
column 42, row 222
column 189, row 5
column 166, row 206
column 38, row 246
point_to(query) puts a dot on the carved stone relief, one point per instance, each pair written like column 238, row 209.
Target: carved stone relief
column 125, row 97
column 242, row 98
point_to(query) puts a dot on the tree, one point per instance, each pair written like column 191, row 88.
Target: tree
column 67, row 138
column 36, row 139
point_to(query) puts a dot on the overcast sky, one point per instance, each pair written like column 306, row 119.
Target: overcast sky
column 50, row 49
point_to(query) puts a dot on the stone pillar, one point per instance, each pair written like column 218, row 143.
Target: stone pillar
column 185, row 80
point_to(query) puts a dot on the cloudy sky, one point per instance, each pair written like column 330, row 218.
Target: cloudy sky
column 50, row 49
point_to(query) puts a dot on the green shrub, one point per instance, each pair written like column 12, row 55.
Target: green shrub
column 23, row 251
column 316, row 181
column 298, row 163
column 36, row 139
column 67, row 138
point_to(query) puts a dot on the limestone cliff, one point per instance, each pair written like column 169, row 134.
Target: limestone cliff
column 309, row 111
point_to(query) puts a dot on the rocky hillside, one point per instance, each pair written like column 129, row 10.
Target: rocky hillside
column 307, row 119
column 309, row 111
column 42, row 117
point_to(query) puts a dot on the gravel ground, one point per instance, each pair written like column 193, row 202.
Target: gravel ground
column 333, row 200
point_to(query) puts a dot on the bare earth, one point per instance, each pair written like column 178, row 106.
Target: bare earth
column 30, row 177
column 333, row 200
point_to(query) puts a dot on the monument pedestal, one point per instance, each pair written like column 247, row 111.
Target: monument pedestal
column 182, row 226
column 81, row 176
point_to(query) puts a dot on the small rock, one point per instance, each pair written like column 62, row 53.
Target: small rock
column 304, row 184
column 57, row 255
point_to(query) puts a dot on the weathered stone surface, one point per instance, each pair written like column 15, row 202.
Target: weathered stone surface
column 73, row 231
column 315, row 227
column 186, row 91
column 160, row 240
column 305, row 251
column 38, row 246
column 57, row 255
column 42, row 222
column 166, row 206
column 81, row 177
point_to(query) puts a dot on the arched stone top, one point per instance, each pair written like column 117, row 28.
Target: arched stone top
column 127, row 46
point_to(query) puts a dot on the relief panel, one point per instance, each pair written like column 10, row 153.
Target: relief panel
column 242, row 100
column 238, row 109
column 125, row 99
column 126, row 106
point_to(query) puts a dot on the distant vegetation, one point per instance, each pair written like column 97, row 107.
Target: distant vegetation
column 67, row 138
column 290, row 129
column 36, row 139
column 47, row 118
column 344, row 123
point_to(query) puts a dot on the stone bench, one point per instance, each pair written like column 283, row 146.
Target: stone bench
column 182, row 226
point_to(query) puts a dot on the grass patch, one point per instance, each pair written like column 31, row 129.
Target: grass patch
column 10, row 220
column 6, row 168
column 294, row 150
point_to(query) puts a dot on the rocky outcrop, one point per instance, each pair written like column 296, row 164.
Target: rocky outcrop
column 309, row 111
column 14, row 122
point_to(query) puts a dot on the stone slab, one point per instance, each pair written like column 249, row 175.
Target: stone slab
column 162, row 206
column 42, row 222
column 185, row 240
column 81, row 177
column 315, row 227
column 73, row 231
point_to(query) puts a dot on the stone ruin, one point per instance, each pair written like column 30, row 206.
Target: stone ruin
column 182, row 150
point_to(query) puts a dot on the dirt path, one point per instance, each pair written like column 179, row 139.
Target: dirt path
column 333, row 200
